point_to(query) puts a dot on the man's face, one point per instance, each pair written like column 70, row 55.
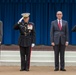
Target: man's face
column 26, row 19
column 59, row 15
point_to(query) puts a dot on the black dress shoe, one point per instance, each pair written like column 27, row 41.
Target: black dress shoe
column 26, row 69
column 22, row 70
column 62, row 69
column 56, row 70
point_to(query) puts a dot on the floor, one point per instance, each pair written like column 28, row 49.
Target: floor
column 9, row 70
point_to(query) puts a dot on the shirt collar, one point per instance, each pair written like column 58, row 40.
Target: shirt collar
column 59, row 20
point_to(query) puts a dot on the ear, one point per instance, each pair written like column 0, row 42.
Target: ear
column 62, row 15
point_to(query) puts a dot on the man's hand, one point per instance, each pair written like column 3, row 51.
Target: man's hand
column 66, row 44
column 33, row 45
column 20, row 20
column 53, row 44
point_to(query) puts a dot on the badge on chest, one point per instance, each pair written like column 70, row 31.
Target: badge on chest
column 30, row 27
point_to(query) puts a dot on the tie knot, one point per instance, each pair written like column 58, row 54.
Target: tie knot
column 59, row 20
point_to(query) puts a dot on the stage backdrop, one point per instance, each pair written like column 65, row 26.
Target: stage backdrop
column 42, row 13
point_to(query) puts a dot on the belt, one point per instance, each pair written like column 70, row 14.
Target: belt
column 25, row 34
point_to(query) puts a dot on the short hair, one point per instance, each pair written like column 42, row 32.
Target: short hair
column 59, row 12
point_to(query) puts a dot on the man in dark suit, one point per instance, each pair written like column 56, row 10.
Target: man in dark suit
column 26, row 40
column 1, row 31
column 59, row 39
column 1, row 34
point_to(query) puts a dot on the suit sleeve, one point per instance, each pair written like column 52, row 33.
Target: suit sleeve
column 16, row 26
column 74, row 29
column 52, row 32
column 1, row 31
column 33, row 35
column 67, row 32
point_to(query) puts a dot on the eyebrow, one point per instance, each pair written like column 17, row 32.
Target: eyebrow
column 59, row 13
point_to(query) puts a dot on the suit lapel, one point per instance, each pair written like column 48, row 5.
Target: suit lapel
column 62, row 24
column 57, row 25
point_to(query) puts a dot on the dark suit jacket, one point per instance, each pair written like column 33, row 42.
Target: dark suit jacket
column 1, row 31
column 27, row 37
column 56, row 33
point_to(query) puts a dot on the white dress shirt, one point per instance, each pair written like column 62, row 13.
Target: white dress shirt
column 60, row 21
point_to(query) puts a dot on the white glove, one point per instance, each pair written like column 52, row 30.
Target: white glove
column 33, row 44
column 20, row 20
column 66, row 43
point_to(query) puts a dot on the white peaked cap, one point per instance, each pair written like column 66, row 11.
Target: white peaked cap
column 25, row 15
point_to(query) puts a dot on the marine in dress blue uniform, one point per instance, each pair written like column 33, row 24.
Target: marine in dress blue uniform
column 26, row 40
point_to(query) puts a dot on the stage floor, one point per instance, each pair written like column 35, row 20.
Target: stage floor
column 9, row 70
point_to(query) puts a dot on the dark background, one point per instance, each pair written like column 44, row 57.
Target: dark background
column 42, row 13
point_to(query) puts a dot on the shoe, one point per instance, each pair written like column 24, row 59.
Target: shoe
column 26, row 69
column 56, row 70
column 22, row 69
column 62, row 69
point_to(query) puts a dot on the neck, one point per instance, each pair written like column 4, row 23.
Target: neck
column 25, row 22
column 59, row 19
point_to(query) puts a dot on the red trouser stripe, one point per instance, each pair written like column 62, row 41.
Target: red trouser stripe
column 30, row 56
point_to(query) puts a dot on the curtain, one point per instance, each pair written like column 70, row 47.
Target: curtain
column 42, row 13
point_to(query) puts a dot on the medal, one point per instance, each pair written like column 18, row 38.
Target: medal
column 29, row 31
column 25, row 28
column 30, row 27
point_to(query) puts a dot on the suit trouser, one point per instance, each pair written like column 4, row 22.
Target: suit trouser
column 25, row 53
column 59, row 49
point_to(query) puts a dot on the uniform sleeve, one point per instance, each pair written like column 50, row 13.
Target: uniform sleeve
column 16, row 26
column 1, row 31
column 74, row 29
column 33, row 34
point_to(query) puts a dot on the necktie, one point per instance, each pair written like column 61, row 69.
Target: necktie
column 59, row 25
